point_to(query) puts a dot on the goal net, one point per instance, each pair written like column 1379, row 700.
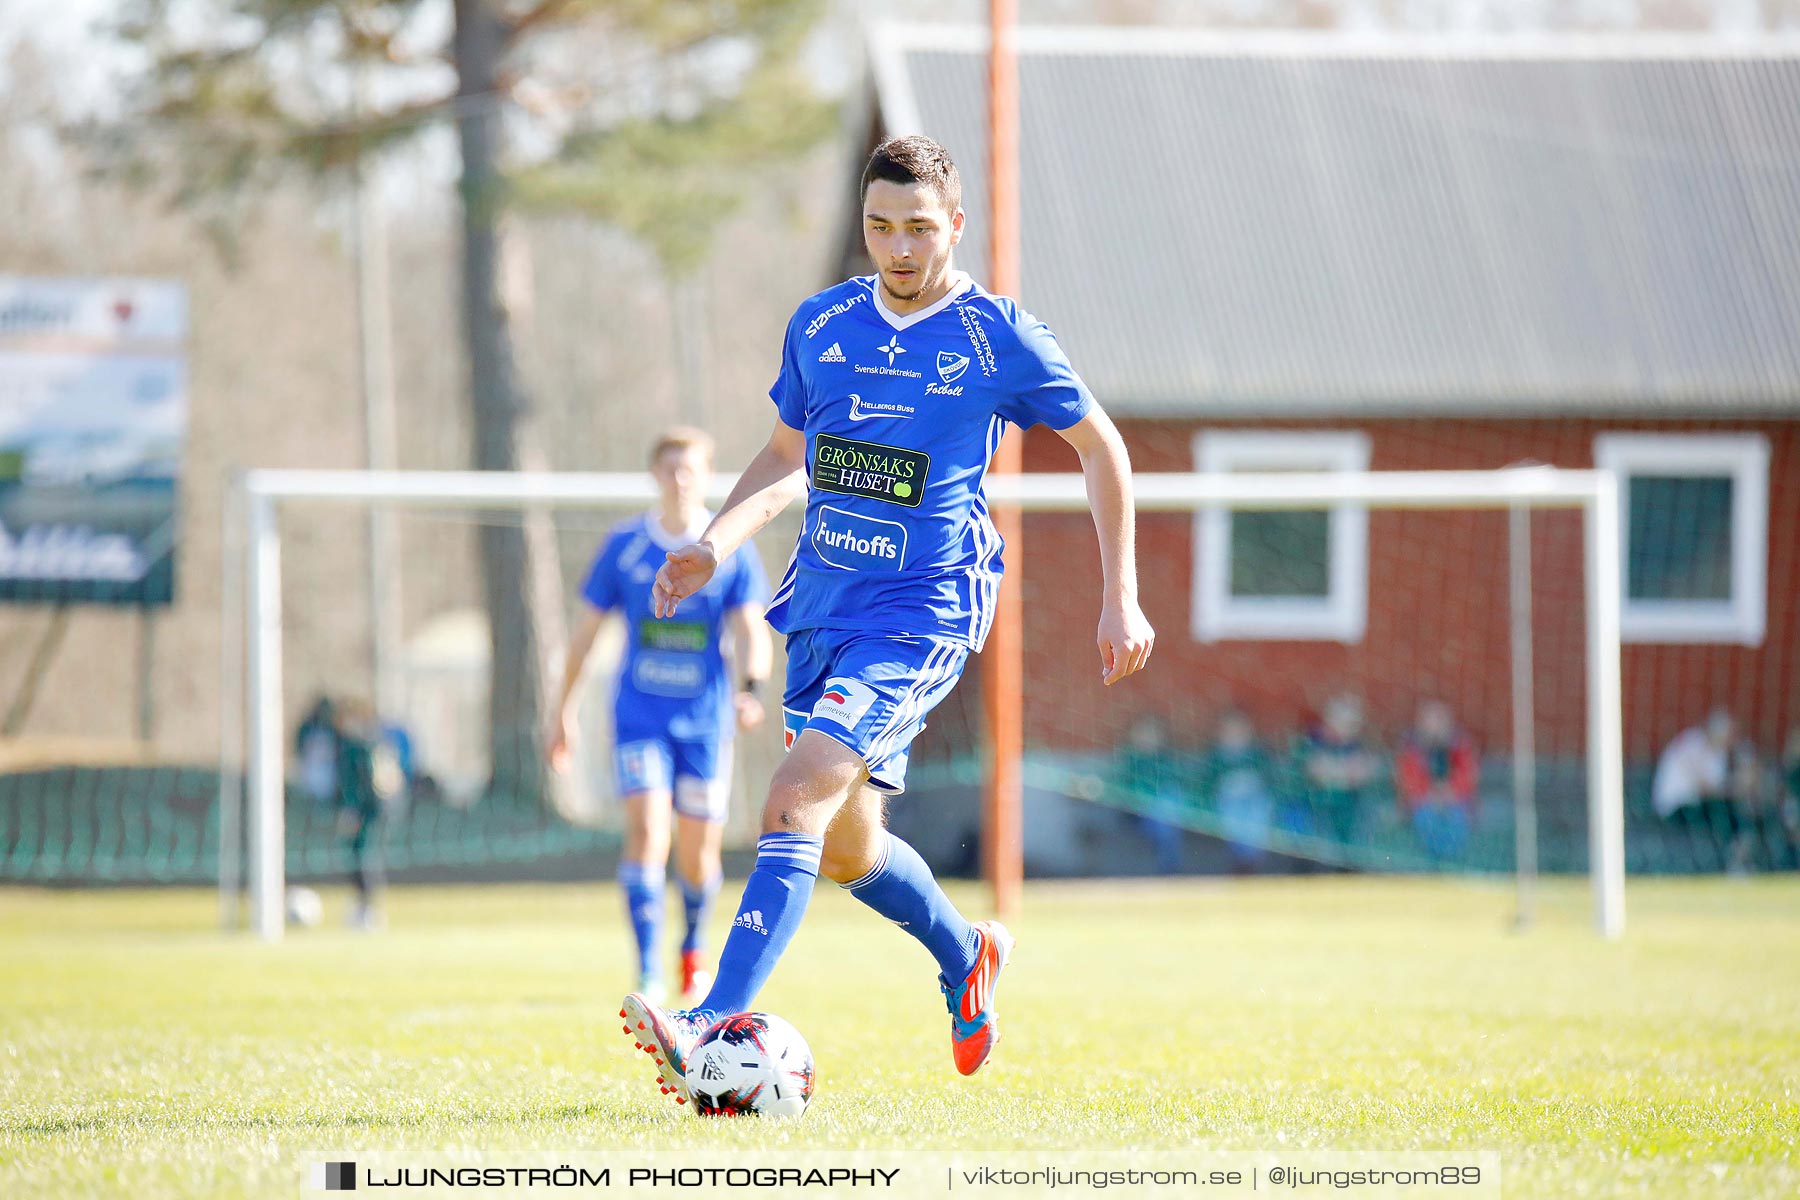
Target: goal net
column 1402, row 671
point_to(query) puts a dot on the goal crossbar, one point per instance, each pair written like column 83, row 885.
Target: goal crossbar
column 252, row 596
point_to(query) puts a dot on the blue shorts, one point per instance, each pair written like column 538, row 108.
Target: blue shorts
column 869, row 691
column 696, row 773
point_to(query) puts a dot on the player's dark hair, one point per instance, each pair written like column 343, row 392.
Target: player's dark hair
column 915, row 158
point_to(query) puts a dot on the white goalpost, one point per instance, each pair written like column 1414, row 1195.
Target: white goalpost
column 253, row 734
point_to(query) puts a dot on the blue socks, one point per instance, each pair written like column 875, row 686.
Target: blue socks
column 643, row 886
column 775, row 898
column 901, row 888
column 697, row 901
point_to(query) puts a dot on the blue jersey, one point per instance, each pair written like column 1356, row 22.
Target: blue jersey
column 902, row 415
column 674, row 680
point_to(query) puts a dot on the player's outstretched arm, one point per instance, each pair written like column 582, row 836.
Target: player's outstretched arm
column 769, row 484
column 559, row 739
column 1124, row 637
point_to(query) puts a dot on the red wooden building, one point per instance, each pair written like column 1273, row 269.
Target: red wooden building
column 1301, row 252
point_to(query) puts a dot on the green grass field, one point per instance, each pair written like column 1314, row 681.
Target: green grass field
column 144, row 1054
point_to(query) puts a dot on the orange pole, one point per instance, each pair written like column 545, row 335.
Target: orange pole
column 1002, row 669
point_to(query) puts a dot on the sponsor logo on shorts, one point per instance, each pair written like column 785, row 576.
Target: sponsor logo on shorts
column 844, row 702
column 857, row 543
column 893, row 474
column 635, row 767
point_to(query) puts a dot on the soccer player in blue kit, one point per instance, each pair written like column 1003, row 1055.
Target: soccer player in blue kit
column 894, row 391
column 675, row 703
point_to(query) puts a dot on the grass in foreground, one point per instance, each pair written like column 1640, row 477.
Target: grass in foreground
column 143, row 1053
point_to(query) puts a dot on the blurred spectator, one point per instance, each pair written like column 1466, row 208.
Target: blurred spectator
column 1437, row 770
column 316, row 753
column 1148, row 776
column 1334, row 770
column 1701, row 779
column 1790, row 800
column 1236, row 774
column 1761, row 802
column 364, row 768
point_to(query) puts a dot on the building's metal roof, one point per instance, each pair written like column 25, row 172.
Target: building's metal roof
column 1294, row 225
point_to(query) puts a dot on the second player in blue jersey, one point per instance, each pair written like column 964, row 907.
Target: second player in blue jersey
column 675, row 703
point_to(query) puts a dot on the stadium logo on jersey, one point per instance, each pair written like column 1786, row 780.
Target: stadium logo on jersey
column 863, row 410
column 892, row 348
column 984, row 353
column 753, row 921
column 853, row 542
column 842, row 306
column 844, row 702
column 833, row 353
column 951, row 366
column 892, row 474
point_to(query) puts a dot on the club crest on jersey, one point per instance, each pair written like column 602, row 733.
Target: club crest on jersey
column 844, row 702
column 951, row 366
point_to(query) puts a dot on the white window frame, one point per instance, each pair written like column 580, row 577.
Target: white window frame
column 1342, row 615
column 1745, row 458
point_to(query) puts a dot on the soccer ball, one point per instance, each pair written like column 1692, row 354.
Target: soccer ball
column 751, row 1064
column 304, row 908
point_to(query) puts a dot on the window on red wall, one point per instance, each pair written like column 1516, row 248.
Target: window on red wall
column 1694, row 510
column 1281, row 576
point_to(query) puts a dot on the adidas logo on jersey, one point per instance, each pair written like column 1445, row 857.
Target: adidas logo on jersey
column 833, row 353
column 752, row 921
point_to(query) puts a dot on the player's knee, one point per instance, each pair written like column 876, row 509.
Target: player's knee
column 810, row 785
column 795, row 805
column 791, row 810
column 697, row 864
column 645, row 845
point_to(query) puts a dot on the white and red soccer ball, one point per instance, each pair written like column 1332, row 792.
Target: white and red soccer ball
column 750, row 1064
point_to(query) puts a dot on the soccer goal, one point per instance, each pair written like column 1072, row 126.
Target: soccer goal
column 1378, row 671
